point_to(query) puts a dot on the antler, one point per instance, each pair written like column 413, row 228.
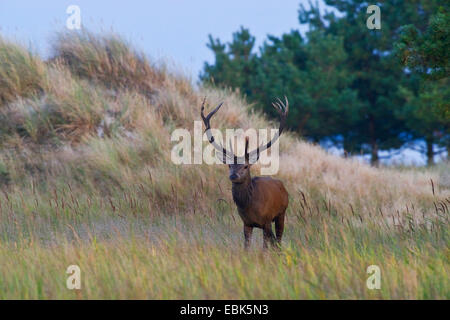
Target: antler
column 282, row 109
column 211, row 138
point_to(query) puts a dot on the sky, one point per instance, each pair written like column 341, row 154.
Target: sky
column 175, row 31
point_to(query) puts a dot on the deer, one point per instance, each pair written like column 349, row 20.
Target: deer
column 259, row 200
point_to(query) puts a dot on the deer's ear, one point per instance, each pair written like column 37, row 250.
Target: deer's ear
column 246, row 155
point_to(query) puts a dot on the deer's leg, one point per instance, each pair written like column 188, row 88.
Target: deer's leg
column 268, row 235
column 279, row 227
column 247, row 236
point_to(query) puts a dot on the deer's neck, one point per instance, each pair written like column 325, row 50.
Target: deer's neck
column 242, row 193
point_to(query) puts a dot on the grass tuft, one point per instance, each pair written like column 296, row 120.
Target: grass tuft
column 107, row 59
column 22, row 73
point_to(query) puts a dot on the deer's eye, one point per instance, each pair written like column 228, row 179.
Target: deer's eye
column 245, row 167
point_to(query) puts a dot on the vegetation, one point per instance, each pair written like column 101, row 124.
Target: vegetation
column 21, row 72
column 347, row 83
column 426, row 53
column 109, row 61
column 86, row 179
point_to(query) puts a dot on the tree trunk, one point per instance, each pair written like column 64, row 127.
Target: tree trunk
column 448, row 151
column 430, row 152
column 374, row 159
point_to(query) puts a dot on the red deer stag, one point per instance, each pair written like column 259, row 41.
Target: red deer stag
column 259, row 200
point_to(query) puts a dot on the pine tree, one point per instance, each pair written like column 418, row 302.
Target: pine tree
column 309, row 73
column 426, row 54
column 344, row 81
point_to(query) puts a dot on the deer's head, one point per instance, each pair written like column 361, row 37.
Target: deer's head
column 240, row 172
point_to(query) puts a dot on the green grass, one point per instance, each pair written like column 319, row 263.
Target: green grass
column 126, row 250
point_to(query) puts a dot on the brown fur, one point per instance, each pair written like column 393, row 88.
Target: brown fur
column 260, row 201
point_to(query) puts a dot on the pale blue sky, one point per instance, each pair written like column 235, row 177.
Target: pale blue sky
column 176, row 30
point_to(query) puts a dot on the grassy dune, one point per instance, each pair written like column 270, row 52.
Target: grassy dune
column 86, row 179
